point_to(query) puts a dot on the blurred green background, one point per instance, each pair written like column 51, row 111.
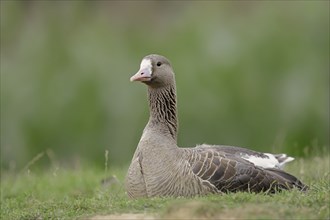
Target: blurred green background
column 249, row 73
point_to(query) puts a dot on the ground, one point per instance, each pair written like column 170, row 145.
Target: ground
column 86, row 192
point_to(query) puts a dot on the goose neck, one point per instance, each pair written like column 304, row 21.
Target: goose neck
column 163, row 109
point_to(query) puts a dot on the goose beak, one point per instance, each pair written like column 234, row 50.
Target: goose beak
column 142, row 75
column 145, row 72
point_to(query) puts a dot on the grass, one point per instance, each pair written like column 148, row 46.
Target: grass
column 86, row 192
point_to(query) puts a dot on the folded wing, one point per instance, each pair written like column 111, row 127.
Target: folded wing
column 232, row 173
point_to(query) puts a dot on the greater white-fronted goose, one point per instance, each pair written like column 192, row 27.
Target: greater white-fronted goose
column 160, row 168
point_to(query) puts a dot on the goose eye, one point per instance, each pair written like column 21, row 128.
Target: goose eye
column 159, row 64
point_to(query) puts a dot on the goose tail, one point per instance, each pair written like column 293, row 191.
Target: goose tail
column 283, row 159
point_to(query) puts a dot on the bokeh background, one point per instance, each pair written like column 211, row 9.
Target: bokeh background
column 249, row 73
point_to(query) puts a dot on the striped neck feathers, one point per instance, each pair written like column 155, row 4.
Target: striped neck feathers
column 163, row 110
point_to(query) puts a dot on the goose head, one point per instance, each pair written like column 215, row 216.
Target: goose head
column 155, row 71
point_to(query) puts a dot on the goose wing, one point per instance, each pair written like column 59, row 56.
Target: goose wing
column 230, row 173
column 265, row 160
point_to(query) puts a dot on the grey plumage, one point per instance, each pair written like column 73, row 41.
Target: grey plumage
column 160, row 168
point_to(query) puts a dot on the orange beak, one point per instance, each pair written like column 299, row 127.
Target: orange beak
column 142, row 75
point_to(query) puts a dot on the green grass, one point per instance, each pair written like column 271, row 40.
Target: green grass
column 86, row 191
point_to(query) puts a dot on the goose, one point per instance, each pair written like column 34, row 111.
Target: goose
column 159, row 168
